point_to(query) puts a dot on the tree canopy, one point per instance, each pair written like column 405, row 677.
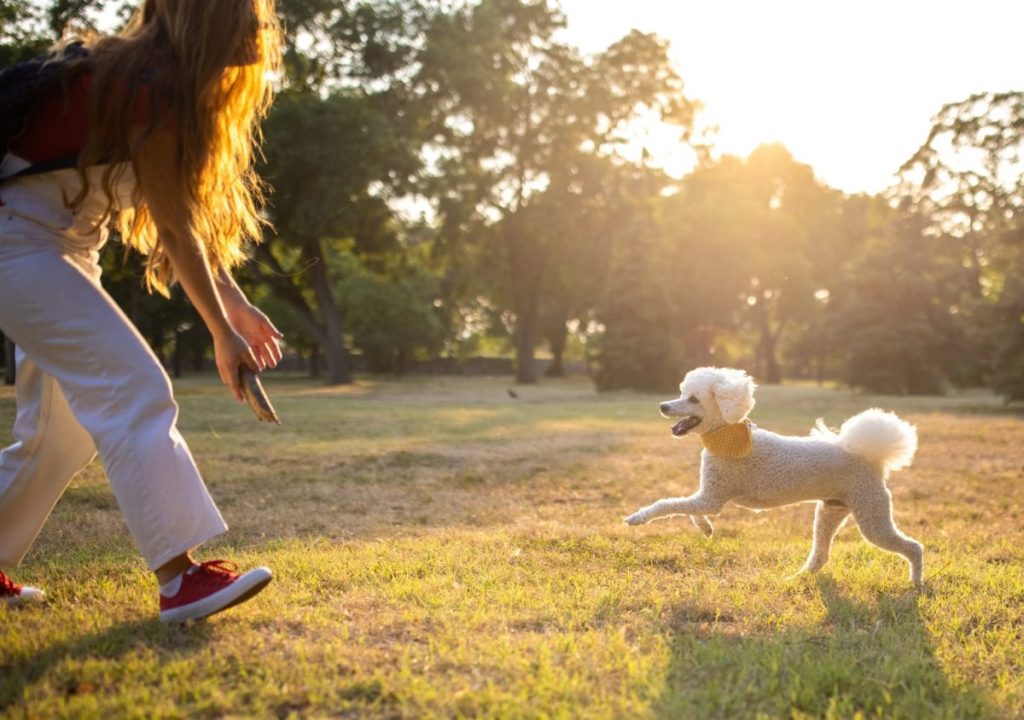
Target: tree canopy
column 454, row 178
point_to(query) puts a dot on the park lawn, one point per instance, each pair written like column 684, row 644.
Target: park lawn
column 444, row 549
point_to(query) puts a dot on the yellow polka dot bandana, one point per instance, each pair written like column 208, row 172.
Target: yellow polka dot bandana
column 731, row 442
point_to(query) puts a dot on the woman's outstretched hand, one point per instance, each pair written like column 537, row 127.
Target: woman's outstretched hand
column 232, row 351
column 263, row 338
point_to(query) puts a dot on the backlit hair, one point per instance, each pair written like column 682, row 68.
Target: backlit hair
column 208, row 67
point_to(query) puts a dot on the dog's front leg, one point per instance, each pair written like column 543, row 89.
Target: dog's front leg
column 699, row 504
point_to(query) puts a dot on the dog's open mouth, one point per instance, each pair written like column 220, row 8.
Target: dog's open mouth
column 685, row 425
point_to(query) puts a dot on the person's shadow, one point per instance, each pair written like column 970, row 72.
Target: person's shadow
column 20, row 671
column 860, row 658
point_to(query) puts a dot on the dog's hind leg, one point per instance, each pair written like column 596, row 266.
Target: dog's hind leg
column 828, row 520
column 703, row 524
column 873, row 511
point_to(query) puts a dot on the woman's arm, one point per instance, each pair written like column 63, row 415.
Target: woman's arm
column 187, row 256
column 250, row 322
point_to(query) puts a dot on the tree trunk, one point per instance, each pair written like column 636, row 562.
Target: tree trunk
column 556, row 339
column 768, row 363
column 772, row 371
column 336, row 355
column 9, row 363
column 525, row 308
column 135, row 304
column 314, row 362
column 526, row 367
column 327, row 329
column 176, row 358
column 526, row 265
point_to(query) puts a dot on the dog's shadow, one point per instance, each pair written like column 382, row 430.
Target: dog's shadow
column 20, row 672
column 868, row 658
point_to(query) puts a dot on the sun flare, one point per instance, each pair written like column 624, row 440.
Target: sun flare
column 850, row 91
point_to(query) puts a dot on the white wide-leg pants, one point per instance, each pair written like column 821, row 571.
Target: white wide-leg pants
column 88, row 382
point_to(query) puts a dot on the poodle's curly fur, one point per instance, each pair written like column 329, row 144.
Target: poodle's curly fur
column 844, row 473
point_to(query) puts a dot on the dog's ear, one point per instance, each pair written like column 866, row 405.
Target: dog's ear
column 734, row 394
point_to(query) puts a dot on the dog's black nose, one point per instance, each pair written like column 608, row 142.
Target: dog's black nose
column 664, row 407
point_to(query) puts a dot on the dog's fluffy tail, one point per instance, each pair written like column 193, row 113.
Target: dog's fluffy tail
column 876, row 435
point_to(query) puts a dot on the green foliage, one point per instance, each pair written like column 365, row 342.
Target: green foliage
column 348, row 43
column 635, row 351
column 749, row 242
column 966, row 179
column 392, row 318
column 29, row 27
column 324, row 156
column 22, row 33
column 342, row 142
column 521, row 120
column 894, row 315
column 1008, row 362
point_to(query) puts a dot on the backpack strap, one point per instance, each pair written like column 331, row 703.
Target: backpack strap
column 61, row 163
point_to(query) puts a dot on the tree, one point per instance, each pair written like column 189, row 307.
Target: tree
column 966, row 178
column 518, row 108
column 342, row 139
column 894, row 314
column 397, row 321
column 793, row 219
column 636, row 350
column 751, row 239
column 322, row 155
column 578, row 214
column 22, row 31
column 813, row 349
column 1008, row 362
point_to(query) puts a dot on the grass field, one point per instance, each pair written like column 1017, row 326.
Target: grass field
column 442, row 549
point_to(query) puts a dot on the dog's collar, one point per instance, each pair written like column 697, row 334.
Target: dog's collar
column 731, row 442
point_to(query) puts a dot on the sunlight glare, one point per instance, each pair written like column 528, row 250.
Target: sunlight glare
column 848, row 88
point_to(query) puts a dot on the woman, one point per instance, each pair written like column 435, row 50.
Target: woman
column 163, row 120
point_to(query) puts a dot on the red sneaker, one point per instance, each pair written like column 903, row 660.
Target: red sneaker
column 14, row 594
column 209, row 588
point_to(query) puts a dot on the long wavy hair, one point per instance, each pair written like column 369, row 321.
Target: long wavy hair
column 207, row 67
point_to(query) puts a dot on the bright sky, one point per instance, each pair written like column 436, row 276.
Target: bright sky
column 850, row 88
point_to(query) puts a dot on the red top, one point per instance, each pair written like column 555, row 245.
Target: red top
column 59, row 127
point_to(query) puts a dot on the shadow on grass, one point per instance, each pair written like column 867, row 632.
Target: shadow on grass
column 20, row 672
column 877, row 660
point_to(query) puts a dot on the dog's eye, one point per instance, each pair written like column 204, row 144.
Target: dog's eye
column 693, row 400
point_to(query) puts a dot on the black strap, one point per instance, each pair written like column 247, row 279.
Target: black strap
column 60, row 163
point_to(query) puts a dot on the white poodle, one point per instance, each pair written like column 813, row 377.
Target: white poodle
column 758, row 469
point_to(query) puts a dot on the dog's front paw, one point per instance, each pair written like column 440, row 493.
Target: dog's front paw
column 703, row 524
column 640, row 517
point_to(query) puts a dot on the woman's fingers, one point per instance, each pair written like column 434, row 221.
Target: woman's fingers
column 233, row 354
column 249, row 359
column 268, row 351
column 274, row 350
column 260, row 353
